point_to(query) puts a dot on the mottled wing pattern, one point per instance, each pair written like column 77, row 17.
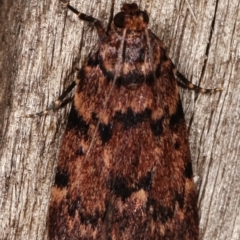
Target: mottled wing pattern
column 124, row 169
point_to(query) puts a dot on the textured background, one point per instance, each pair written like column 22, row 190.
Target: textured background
column 41, row 43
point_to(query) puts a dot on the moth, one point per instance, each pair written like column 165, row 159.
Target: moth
column 124, row 169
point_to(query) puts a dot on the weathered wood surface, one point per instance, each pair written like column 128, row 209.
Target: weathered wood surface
column 40, row 45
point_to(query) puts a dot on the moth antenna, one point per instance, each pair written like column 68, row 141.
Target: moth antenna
column 118, row 68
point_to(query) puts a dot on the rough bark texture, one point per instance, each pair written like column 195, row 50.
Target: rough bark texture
column 41, row 44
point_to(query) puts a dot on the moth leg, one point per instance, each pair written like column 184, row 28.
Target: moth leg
column 97, row 24
column 55, row 104
column 183, row 82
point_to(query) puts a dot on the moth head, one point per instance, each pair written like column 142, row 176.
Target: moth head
column 131, row 17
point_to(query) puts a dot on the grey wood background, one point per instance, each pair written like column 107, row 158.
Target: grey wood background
column 41, row 43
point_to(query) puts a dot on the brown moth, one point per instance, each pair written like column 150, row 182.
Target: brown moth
column 124, row 168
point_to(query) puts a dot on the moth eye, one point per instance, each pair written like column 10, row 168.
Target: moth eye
column 119, row 19
column 145, row 17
